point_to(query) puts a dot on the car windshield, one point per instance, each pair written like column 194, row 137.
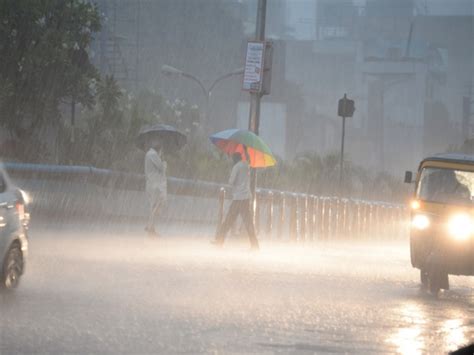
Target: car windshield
column 446, row 186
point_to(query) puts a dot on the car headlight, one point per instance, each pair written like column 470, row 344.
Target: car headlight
column 420, row 221
column 460, row 226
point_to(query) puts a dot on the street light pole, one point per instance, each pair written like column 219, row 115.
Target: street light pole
column 236, row 72
column 169, row 70
column 254, row 114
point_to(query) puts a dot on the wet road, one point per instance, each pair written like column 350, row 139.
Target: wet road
column 110, row 290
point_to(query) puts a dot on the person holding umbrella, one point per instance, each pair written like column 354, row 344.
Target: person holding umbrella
column 154, row 140
column 156, row 182
column 240, row 205
column 248, row 151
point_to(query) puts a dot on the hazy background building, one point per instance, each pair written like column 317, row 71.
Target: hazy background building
column 407, row 63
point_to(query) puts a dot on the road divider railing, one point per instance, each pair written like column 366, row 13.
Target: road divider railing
column 280, row 215
column 306, row 218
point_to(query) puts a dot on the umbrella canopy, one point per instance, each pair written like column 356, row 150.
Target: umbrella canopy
column 247, row 143
column 169, row 136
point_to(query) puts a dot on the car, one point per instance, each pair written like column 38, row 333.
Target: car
column 442, row 219
column 14, row 221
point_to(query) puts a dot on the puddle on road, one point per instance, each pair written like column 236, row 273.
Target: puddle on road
column 425, row 323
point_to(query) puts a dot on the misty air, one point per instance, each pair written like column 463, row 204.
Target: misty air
column 236, row 176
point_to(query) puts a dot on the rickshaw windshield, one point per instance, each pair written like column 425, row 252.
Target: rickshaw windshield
column 446, row 186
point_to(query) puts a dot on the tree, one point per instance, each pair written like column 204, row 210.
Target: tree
column 106, row 118
column 108, row 95
column 44, row 60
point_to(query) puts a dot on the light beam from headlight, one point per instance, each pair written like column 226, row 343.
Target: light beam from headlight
column 460, row 226
column 420, row 221
column 26, row 197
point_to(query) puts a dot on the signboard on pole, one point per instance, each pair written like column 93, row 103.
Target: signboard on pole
column 254, row 61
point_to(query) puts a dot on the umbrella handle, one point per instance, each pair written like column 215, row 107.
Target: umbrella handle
column 247, row 157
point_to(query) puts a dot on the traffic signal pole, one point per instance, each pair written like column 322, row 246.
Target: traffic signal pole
column 345, row 108
column 341, row 162
column 341, row 167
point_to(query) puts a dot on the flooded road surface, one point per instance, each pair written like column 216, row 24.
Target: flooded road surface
column 111, row 290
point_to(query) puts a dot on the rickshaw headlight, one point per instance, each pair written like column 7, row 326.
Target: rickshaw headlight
column 415, row 205
column 460, row 226
column 420, row 221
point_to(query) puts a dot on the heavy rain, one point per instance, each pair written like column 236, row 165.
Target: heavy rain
column 236, row 176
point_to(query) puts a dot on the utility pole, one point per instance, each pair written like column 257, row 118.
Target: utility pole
column 137, row 45
column 341, row 163
column 254, row 116
column 72, row 140
column 466, row 119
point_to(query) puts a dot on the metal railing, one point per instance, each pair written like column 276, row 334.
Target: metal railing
column 303, row 217
column 279, row 215
column 107, row 178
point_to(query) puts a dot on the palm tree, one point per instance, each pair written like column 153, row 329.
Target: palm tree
column 109, row 94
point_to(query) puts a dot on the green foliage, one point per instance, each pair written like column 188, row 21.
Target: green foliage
column 319, row 175
column 44, row 60
column 114, row 147
column 107, row 131
column 108, row 95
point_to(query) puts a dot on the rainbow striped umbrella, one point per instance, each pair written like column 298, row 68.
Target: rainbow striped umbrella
column 238, row 141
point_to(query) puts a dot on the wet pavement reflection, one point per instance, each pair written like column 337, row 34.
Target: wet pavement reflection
column 114, row 291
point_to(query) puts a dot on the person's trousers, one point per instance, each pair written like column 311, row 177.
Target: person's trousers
column 155, row 210
column 236, row 208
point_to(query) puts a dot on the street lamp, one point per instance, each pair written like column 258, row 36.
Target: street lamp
column 172, row 71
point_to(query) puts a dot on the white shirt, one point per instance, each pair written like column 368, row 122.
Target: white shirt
column 155, row 173
column 240, row 181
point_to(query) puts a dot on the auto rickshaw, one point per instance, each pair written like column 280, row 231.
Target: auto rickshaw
column 442, row 219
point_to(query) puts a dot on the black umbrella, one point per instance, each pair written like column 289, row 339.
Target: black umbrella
column 171, row 139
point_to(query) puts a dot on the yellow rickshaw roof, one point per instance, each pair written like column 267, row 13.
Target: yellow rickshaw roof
column 450, row 158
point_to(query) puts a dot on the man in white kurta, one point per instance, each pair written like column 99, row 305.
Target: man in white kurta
column 156, row 185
